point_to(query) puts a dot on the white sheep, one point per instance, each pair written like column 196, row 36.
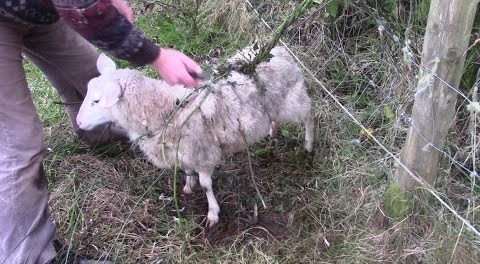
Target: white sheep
column 236, row 112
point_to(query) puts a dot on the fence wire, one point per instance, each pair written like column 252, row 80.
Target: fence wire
column 383, row 27
column 408, row 120
column 407, row 51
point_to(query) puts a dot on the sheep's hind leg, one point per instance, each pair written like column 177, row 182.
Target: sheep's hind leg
column 189, row 182
column 309, row 126
column 272, row 133
column 205, row 178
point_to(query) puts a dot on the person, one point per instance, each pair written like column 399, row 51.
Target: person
column 57, row 35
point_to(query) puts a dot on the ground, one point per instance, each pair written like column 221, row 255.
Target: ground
column 325, row 207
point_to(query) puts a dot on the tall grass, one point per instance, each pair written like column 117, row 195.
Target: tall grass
column 324, row 208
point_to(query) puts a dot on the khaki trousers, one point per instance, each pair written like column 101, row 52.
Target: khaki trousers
column 69, row 62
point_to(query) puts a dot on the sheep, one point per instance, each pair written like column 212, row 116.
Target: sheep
column 235, row 112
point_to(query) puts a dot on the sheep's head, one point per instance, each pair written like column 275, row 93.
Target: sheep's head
column 102, row 94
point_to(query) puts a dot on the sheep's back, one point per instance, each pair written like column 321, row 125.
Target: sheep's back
column 231, row 117
column 237, row 112
column 286, row 98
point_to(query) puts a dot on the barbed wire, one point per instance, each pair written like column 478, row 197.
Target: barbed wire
column 471, row 174
column 473, row 131
column 473, row 124
column 419, row 180
column 382, row 24
column 406, row 49
column 408, row 121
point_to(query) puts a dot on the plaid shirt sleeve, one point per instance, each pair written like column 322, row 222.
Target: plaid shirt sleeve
column 102, row 25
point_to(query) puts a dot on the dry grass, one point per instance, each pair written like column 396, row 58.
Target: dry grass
column 323, row 208
column 233, row 14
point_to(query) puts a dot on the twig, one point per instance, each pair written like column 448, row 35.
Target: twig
column 473, row 131
column 471, row 46
column 68, row 103
column 174, row 112
column 249, row 67
column 130, row 215
column 418, row 179
column 175, row 195
column 456, row 244
column 251, row 172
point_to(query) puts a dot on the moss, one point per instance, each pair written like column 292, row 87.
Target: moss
column 396, row 202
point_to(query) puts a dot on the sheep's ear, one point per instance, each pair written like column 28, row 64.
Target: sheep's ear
column 105, row 64
column 111, row 95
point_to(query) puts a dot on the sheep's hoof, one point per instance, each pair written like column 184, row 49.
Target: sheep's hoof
column 309, row 147
column 187, row 190
column 212, row 219
column 272, row 134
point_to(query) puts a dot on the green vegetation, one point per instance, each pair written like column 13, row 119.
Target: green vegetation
column 336, row 206
column 396, row 202
column 45, row 97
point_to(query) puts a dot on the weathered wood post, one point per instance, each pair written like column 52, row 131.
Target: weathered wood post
column 446, row 39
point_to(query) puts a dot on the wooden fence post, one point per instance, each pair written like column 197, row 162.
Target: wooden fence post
column 446, row 39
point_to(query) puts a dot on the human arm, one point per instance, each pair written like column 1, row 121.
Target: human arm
column 107, row 24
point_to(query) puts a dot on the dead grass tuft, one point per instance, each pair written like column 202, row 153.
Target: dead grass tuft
column 323, row 208
column 233, row 15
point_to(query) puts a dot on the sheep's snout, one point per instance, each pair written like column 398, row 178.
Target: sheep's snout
column 83, row 125
column 90, row 115
column 79, row 123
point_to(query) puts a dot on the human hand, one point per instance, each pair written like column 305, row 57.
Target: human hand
column 123, row 9
column 177, row 68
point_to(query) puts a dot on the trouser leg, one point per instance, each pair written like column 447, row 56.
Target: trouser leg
column 26, row 230
column 69, row 62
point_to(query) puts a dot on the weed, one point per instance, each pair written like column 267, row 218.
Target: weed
column 334, row 206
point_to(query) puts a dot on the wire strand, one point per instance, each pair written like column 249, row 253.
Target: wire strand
column 419, row 180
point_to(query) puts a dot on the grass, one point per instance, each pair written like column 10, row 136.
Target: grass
column 325, row 208
column 44, row 96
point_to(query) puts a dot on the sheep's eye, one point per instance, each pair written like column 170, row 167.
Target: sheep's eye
column 96, row 101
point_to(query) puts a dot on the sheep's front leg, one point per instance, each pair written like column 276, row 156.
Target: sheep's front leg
column 272, row 133
column 189, row 182
column 309, row 127
column 205, row 178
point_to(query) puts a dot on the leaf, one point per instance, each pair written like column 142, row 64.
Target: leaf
column 365, row 134
column 262, row 152
column 331, row 10
column 395, row 202
column 388, row 112
column 279, row 208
